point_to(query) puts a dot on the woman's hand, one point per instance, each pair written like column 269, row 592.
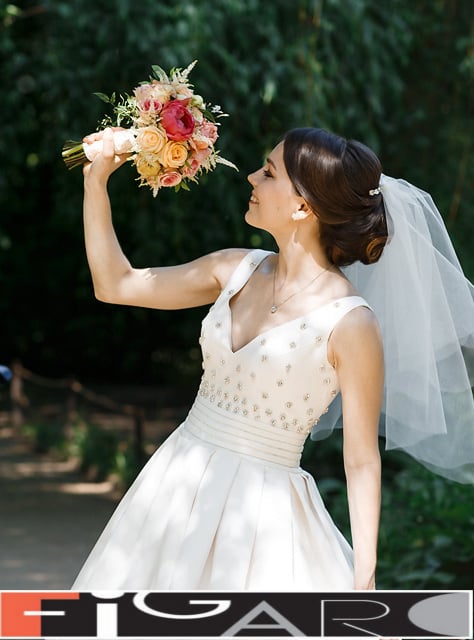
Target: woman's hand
column 107, row 161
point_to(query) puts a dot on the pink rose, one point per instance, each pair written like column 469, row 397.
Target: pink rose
column 202, row 155
column 153, row 106
column 209, row 130
column 177, row 120
column 170, row 179
column 146, row 101
column 191, row 167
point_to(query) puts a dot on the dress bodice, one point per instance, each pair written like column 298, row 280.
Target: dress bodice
column 275, row 388
column 223, row 504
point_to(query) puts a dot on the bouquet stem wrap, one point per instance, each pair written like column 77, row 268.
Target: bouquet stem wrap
column 75, row 154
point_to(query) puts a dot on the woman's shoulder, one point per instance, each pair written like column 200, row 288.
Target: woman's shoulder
column 357, row 334
column 226, row 261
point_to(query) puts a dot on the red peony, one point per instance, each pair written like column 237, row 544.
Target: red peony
column 177, row 120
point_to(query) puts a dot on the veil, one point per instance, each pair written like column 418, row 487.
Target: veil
column 425, row 307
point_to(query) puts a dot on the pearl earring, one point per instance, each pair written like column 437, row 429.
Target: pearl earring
column 299, row 215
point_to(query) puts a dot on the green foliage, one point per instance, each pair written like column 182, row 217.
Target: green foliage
column 427, row 538
column 46, row 437
column 365, row 69
column 126, row 466
column 427, row 523
column 95, row 448
column 100, row 453
column 396, row 74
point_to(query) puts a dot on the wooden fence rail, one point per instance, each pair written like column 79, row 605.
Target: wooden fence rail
column 73, row 389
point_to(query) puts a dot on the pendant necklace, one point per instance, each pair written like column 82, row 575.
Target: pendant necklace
column 274, row 308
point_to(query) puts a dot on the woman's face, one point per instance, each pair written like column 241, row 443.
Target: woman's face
column 273, row 197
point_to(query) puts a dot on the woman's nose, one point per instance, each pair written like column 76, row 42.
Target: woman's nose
column 251, row 178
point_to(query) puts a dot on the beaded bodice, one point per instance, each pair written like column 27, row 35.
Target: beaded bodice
column 280, row 383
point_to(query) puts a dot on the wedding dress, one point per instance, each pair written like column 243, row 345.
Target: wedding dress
column 223, row 503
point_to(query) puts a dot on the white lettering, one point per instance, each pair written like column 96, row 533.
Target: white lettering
column 44, row 613
column 107, row 620
column 221, row 606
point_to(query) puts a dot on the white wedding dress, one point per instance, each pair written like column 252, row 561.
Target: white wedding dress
column 223, row 504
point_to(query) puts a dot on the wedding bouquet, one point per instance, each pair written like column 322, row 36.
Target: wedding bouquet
column 169, row 131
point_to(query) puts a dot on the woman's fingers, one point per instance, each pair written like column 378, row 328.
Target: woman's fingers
column 105, row 160
column 108, row 147
column 98, row 135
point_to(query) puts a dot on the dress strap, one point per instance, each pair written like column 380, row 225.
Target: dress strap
column 337, row 309
column 243, row 271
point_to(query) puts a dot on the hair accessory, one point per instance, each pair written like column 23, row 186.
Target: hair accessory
column 375, row 192
column 425, row 307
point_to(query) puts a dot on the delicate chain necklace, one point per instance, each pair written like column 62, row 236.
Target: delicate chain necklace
column 274, row 308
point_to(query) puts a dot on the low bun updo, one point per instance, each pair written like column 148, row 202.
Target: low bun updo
column 334, row 176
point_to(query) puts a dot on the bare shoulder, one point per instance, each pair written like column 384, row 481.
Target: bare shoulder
column 359, row 318
column 356, row 335
column 225, row 261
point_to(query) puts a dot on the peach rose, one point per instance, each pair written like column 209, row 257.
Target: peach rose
column 145, row 168
column 199, row 142
column 170, row 179
column 173, row 154
column 151, row 139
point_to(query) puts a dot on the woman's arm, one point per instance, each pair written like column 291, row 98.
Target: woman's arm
column 115, row 280
column 356, row 352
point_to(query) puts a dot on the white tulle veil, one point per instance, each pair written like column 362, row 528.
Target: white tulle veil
column 425, row 308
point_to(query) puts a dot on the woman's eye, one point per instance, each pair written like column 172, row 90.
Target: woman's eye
column 267, row 173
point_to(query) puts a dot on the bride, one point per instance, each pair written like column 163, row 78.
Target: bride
column 292, row 341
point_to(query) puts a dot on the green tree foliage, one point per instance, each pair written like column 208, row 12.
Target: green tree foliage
column 397, row 75
column 425, row 539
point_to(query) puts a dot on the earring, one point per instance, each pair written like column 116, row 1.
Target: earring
column 299, row 215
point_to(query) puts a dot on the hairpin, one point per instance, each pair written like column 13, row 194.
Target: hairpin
column 374, row 192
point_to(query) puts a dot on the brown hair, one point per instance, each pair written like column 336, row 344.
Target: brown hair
column 334, row 176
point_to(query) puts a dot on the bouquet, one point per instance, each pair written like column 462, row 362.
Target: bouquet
column 170, row 131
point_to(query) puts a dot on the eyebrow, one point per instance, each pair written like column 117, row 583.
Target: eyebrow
column 270, row 161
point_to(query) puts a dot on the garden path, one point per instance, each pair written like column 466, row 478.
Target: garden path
column 49, row 517
column 50, row 514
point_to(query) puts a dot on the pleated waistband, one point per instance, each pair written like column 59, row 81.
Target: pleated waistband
column 247, row 437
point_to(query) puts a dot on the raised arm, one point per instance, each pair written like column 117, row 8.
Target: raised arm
column 115, row 280
column 356, row 351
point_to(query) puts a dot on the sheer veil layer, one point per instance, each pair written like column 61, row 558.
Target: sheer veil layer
column 425, row 307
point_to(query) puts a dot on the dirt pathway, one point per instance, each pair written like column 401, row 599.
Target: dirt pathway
column 50, row 515
column 49, row 518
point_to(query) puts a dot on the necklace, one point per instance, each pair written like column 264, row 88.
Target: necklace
column 274, row 308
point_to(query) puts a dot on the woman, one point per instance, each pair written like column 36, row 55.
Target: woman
column 223, row 504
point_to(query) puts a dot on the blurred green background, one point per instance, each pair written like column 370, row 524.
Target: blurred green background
column 397, row 75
